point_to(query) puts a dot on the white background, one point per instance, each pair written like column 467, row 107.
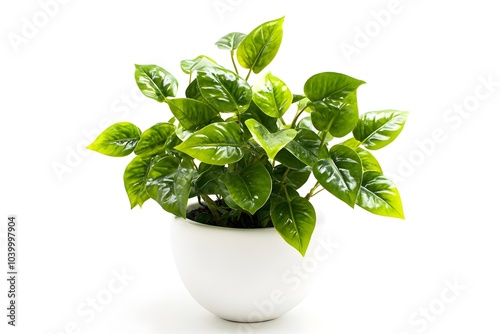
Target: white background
column 66, row 80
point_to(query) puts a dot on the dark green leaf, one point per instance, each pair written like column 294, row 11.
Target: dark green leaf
column 193, row 91
column 253, row 112
column 341, row 174
column 295, row 178
column 216, row 144
column 135, row 178
column 260, row 47
column 169, row 183
column 306, row 147
column 272, row 96
column 272, row 143
column 294, row 221
column 297, row 98
column 118, row 140
column 250, row 188
column 155, row 82
column 155, row 139
column 380, row 196
column 231, row 41
column 289, row 160
column 191, row 113
column 335, row 86
column 224, row 90
column 210, row 179
column 378, row 129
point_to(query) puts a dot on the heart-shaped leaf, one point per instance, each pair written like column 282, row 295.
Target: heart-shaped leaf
column 338, row 117
column 294, row 178
column 272, row 96
column 210, row 179
column 341, row 174
column 377, row 129
column 369, row 162
column 260, row 47
column 154, row 140
column 216, row 144
column 188, row 66
column 250, row 188
column 230, row 41
column 155, row 82
column 118, row 140
column 294, row 220
column 191, row 113
column 306, row 147
column 169, row 183
column 335, row 86
column 224, row 90
column 380, row 196
column 135, row 178
column 272, row 143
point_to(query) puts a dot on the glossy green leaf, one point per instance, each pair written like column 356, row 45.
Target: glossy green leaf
column 230, row 41
column 253, row 112
column 250, row 188
column 341, row 174
column 210, row 179
column 216, row 144
column 306, row 147
column 188, row 66
column 294, row 221
column 338, row 117
column 298, row 98
column 351, row 143
column 169, row 183
column 155, row 139
column 295, row 178
column 335, row 86
column 377, row 129
column 191, row 113
column 224, row 90
column 380, row 196
column 272, row 143
column 289, row 160
column 135, row 179
column 369, row 162
column 272, row 96
column 155, row 82
column 118, row 140
column 260, row 47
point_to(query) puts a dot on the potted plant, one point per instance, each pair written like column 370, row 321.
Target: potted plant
column 243, row 153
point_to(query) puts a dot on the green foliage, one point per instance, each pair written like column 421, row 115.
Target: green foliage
column 228, row 145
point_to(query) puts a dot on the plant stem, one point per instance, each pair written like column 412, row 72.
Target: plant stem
column 297, row 115
column 311, row 192
column 282, row 121
column 211, row 206
column 323, row 139
column 248, row 75
column 234, row 63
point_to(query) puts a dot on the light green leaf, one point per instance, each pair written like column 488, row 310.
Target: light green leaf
column 169, row 183
column 155, row 82
column 224, row 90
column 118, row 140
column 335, row 86
column 191, row 113
column 154, row 140
column 272, row 96
column 188, row 66
column 294, row 220
column 272, row 143
column 216, row 144
column 351, row 143
column 230, row 41
column 338, row 117
column 377, row 129
column 341, row 174
column 306, row 147
column 250, row 188
column 135, row 178
column 260, row 47
column 380, row 196
column 369, row 162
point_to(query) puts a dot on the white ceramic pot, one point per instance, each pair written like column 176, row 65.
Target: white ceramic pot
column 242, row 275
